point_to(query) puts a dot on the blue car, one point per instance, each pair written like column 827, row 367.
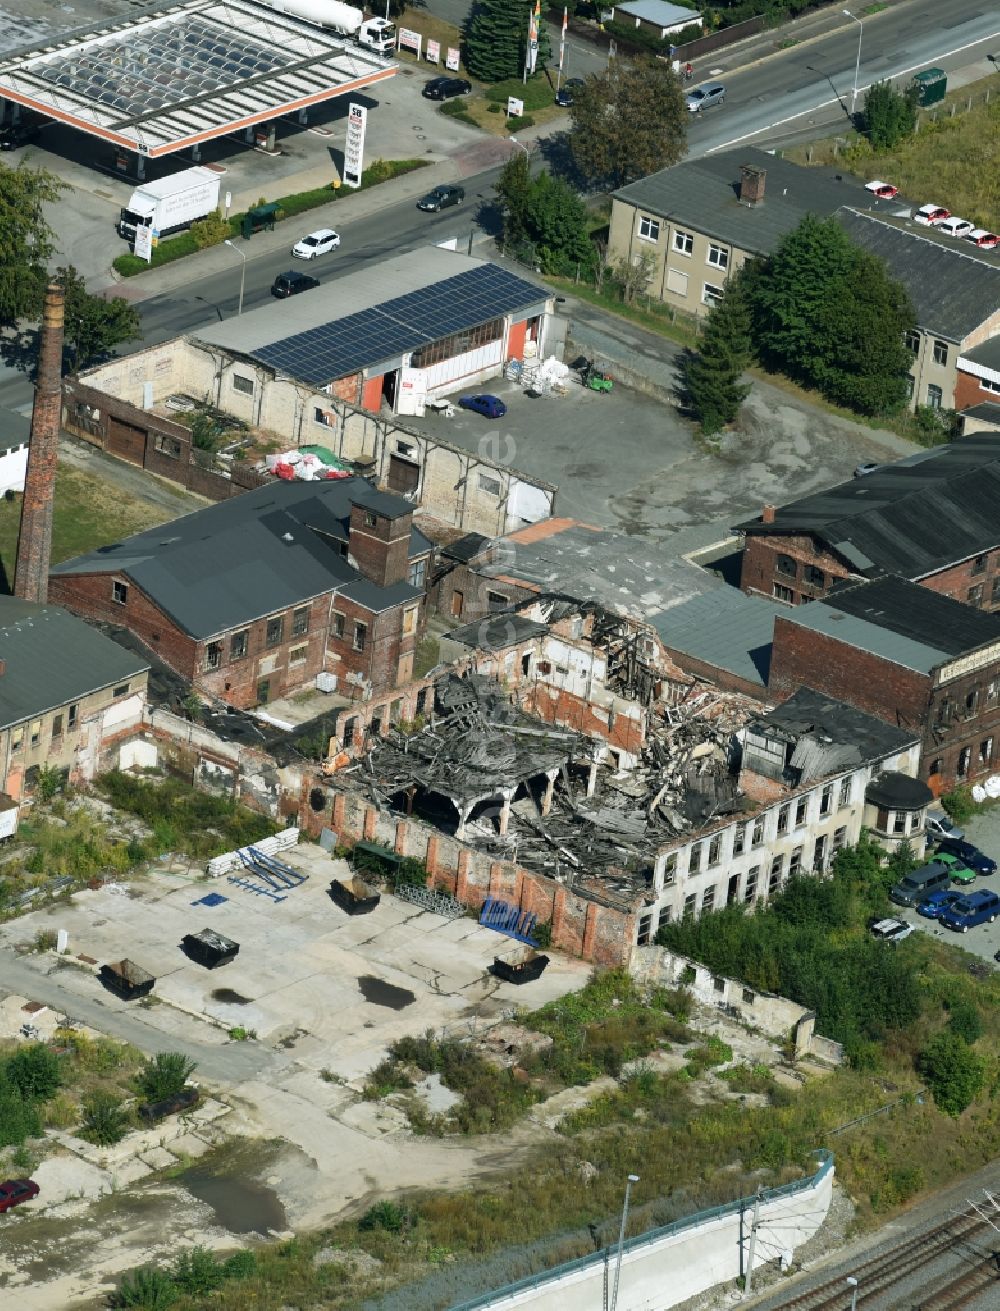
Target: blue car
column 490, row 407
column 936, row 903
column 974, row 908
column 969, row 855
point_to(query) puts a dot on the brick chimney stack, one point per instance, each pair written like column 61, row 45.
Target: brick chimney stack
column 767, row 514
column 752, row 184
column 34, row 542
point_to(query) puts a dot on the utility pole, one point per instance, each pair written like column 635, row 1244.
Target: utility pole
column 748, row 1281
column 632, row 1179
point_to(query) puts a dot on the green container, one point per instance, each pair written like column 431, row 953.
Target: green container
column 931, row 86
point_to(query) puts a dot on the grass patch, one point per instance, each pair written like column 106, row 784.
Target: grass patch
column 297, row 202
column 536, row 93
column 654, row 315
column 89, row 512
column 427, row 655
column 457, row 110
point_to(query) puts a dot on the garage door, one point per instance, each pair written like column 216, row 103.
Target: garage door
column 403, row 476
column 126, row 441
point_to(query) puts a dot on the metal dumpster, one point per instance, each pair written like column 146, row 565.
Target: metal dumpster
column 520, row 968
column 209, row 948
column 356, row 897
column 126, row 979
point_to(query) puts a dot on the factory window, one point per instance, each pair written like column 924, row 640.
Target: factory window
column 370, row 518
column 750, row 891
column 912, row 340
column 360, row 636
column 708, row 901
column 934, row 396
column 714, row 848
column 757, row 837
column 421, row 700
column 972, row 701
column 238, row 644
column 489, row 485
column 839, row 839
column 974, row 596
column 690, row 904
column 300, row 621
column 649, row 228
column 801, row 809
column 826, row 800
column 459, row 343
column 683, row 242
column 663, row 917
column 119, row 592
column 795, row 862
column 694, row 863
column 418, row 573
column 57, row 727
column 739, row 839
column 774, row 881
column 670, row 870
column 297, row 655
column 213, row 655
column 645, row 929
column 940, row 352
column 979, row 564
column 36, row 732
column 815, row 577
column 73, row 716
column 275, row 629
column 718, row 256
column 785, row 564
column 819, row 853
column 784, row 815
column 242, row 383
column 986, row 751
column 120, row 691
column 349, row 730
column 338, row 625
column 964, row 756
column 781, row 593
column 17, row 738
column 845, row 792
column 496, row 601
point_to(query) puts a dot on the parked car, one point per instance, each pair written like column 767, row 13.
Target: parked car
column 933, row 906
column 565, row 94
column 938, row 826
column 446, row 88
column 983, row 239
column 490, row 407
column 16, row 135
column 15, row 1191
column 884, row 190
column 956, row 227
column 956, row 867
column 441, row 198
column 291, row 283
column 705, row 97
column 980, row 907
column 917, row 886
column 317, row 243
column 969, row 855
column 890, row 930
column 929, row 216
column 868, row 467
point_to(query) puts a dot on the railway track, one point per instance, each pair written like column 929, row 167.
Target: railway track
column 904, row 1278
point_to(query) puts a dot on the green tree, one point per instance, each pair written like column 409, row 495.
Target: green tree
column 829, row 315
column 34, row 1070
column 965, row 1020
column 544, row 220
column 712, row 376
column 955, row 1073
column 512, row 190
column 26, row 241
column 496, row 40
column 627, row 123
column 164, row 1075
column 634, row 275
column 890, row 115
column 94, row 325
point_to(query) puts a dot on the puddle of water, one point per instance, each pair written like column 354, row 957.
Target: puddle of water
column 380, row 993
column 239, row 1205
column 233, row 998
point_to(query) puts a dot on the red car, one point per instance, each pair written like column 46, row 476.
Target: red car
column 15, row 1191
column 884, row 190
column 931, row 215
column 983, row 239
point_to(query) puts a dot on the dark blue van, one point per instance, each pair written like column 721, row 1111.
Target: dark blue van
column 977, row 908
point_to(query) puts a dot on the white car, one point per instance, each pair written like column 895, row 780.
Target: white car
column 884, row 190
column 891, row 930
column 929, row 216
column 317, row 243
column 938, row 826
column 956, row 227
column 983, row 239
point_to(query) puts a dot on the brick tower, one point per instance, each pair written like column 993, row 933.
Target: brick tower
column 34, row 542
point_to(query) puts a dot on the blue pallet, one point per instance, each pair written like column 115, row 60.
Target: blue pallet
column 511, row 921
column 253, row 887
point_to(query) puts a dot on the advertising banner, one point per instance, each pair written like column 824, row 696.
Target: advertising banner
column 433, row 51
column 410, row 41
column 453, row 62
column 144, row 242
column 354, row 147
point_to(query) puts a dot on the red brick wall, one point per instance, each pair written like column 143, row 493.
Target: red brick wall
column 715, row 676
column 349, row 388
column 557, row 706
column 960, row 580
column 969, row 392
column 381, row 549
column 385, row 643
column 759, row 569
column 474, row 590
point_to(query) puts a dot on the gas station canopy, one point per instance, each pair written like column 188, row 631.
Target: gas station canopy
column 185, row 74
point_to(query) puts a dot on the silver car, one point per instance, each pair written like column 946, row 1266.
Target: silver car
column 704, row 97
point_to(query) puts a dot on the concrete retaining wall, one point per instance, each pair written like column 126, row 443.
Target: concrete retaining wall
column 667, row 1266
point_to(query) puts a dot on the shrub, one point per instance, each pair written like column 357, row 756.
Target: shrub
column 386, row 1215
column 198, row 1271
column 241, row 1265
column 18, row 1116
column 960, row 804
column 955, row 1074
column 105, row 1121
column 164, row 1075
column 210, row 231
column 35, row 1071
column 148, row 1287
column 966, row 1021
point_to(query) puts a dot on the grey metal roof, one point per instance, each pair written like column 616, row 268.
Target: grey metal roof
column 52, row 659
column 497, row 632
column 705, row 194
column 899, row 621
column 186, row 73
column 723, row 628
column 912, row 517
column 376, row 598
column 953, row 286
column 625, row 574
column 813, row 714
column 231, row 563
column 658, row 12
column 986, row 354
column 985, row 412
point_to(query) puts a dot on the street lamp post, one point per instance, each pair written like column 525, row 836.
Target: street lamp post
column 852, row 1284
column 632, row 1179
column 520, row 145
column 857, row 62
column 243, row 270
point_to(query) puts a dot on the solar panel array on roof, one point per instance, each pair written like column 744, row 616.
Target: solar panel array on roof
column 344, row 346
column 160, row 66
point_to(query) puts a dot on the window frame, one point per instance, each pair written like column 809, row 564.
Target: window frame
column 274, row 632
column 712, row 295
column 360, row 636
column 119, row 591
column 715, row 249
column 239, row 644
column 683, row 242
column 242, row 383
column 300, row 621
column 650, row 223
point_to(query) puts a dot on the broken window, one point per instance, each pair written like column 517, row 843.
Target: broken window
column 690, row 905
column 826, row 800
column 714, row 848
column 297, row 655
column 239, row 644
column 120, row 690
column 74, row 715
column 670, row 870
column 739, row 839
column 17, row 738
column 213, row 655
column 663, row 917
column 645, row 929
column 275, row 628
column 819, row 853
column 119, row 592
column 694, row 864
column 750, row 891
column 785, row 564
column 350, row 727
column 774, row 881
column 795, row 862
column 300, row 621
column 36, row 731
column 785, row 594
column 708, row 900
column 57, row 726
column 839, row 839
column 421, row 700
column 784, row 815
column 964, row 756
column 986, row 751
column 845, row 792
column 496, row 601
column 757, row 837
column 815, row 577
column 801, row 806
column 338, row 625
column 360, row 636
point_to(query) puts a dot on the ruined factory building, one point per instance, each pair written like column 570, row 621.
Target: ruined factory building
column 186, row 74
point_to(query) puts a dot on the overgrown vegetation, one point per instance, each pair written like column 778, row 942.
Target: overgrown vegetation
column 164, row 1075
column 194, row 1273
column 545, row 223
column 890, row 115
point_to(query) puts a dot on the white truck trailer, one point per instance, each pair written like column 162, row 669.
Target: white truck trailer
column 170, row 204
column 376, row 34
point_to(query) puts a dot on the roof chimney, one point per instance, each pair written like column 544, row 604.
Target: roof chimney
column 767, row 514
column 34, row 542
column 752, row 184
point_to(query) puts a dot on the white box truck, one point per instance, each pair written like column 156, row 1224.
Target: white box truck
column 171, row 204
column 376, row 34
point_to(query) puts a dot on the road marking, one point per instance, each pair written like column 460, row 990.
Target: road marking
column 837, row 100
